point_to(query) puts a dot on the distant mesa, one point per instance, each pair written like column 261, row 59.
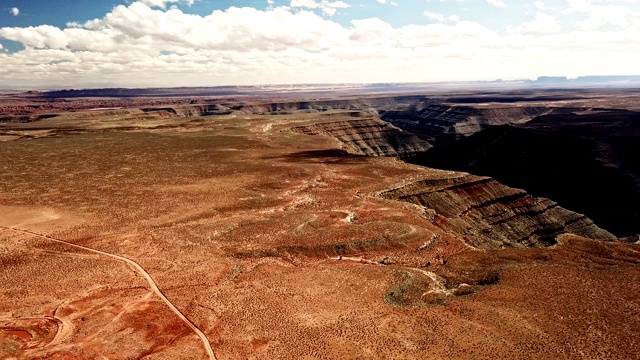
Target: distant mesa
column 552, row 80
column 587, row 80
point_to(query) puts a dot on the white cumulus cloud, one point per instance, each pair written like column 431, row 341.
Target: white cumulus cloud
column 497, row 3
column 15, row 11
column 142, row 44
column 163, row 3
column 44, row 36
column 600, row 13
column 434, row 16
column 440, row 17
column 327, row 7
column 541, row 23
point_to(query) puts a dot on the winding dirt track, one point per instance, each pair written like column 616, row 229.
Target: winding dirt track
column 438, row 282
column 143, row 272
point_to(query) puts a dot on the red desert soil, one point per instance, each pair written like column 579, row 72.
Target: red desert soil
column 273, row 244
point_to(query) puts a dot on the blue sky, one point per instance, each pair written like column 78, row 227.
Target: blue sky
column 59, row 43
column 60, row 12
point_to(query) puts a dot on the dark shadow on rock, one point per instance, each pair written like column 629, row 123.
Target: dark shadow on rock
column 331, row 156
column 586, row 162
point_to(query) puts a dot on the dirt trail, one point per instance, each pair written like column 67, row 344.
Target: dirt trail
column 438, row 282
column 140, row 270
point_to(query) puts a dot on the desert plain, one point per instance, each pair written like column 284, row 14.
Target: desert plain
column 289, row 226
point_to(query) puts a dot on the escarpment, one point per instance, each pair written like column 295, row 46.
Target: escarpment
column 360, row 103
column 440, row 123
column 581, row 160
column 190, row 110
column 368, row 136
column 489, row 215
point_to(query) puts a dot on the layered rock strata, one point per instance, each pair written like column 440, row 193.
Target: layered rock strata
column 490, row 215
column 368, row 136
column 441, row 123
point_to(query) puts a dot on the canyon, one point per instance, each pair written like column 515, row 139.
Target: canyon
column 582, row 159
column 237, row 223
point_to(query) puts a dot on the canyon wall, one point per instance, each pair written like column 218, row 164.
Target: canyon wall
column 585, row 161
column 368, row 136
column 490, row 215
column 442, row 123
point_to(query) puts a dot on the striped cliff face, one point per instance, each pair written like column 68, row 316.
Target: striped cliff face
column 440, row 123
column 368, row 136
column 489, row 215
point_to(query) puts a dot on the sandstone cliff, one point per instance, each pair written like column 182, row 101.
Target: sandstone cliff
column 582, row 160
column 362, row 103
column 441, row 123
column 490, row 215
column 368, row 136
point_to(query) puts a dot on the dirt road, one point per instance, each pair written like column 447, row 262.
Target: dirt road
column 139, row 269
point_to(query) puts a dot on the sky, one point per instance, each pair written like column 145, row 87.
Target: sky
column 145, row 43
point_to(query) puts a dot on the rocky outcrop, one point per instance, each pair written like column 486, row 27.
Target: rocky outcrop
column 368, row 136
column 365, row 103
column 189, row 110
column 489, row 215
column 274, row 108
column 11, row 119
column 441, row 123
column 583, row 161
